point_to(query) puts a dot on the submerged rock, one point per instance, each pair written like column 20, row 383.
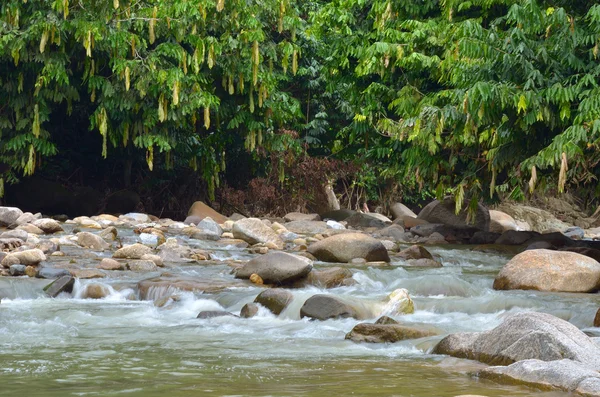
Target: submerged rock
column 386, row 333
column 275, row 299
column 348, row 246
column 214, row 313
column 524, row 336
column 95, row 291
column 546, row 270
column 324, row 307
column 276, row 268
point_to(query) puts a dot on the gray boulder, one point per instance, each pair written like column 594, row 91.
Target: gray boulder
column 444, row 212
column 249, row 310
column 363, row 221
column 208, row 229
column 62, row 284
column 566, row 375
column 52, row 273
column 276, row 268
column 275, row 299
column 307, row 227
column 324, row 307
column 399, row 210
column 16, row 233
column 9, row 215
column 348, row 246
column 524, row 336
column 253, row 231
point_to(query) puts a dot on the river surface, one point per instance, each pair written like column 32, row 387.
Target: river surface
column 122, row 347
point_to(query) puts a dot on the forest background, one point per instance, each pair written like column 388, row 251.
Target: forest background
column 257, row 105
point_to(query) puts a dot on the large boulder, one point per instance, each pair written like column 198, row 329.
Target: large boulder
column 444, row 212
column 253, row 231
column 539, row 220
column 338, row 215
column 275, row 299
column 399, row 210
column 500, row 222
column 348, row 246
column 546, row 270
column 324, row 307
column 208, row 229
column 524, row 336
column 363, row 221
column 566, row 375
column 61, row 284
column 202, row 210
column 387, row 333
column 27, row 258
column 9, row 215
column 276, row 268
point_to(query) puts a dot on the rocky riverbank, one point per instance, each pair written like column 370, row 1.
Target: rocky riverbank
column 146, row 255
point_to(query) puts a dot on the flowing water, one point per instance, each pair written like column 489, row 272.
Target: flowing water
column 116, row 346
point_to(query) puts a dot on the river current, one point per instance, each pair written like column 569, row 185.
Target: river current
column 122, row 346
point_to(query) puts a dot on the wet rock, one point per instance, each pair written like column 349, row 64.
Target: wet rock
column 307, row 227
column 275, row 299
column 17, row 270
column 276, row 268
column 87, row 273
column 338, row 215
column 214, row 313
column 399, row 210
column 427, row 229
column 142, row 266
column 433, row 238
column 95, row 291
column 386, row 320
column 501, row 222
column 347, row 246
column 546, row 270
column 415, row 252
column 515, row 237
column 524, row 336
column 49, row 226
column 297, row 216
column 27, row 257
column 484, row 238
column 253, row 231
column 9, row 215
column 399, row 302
column 330, row 277
column 47, row 247
column 91, row 241
column 566, row 375
column 154, row 258
column 61, row 284
column 363, row 221
column 444, row 212
column 249, row 310
column 109, row 234
column 557, row 239
column 540, row 245
column 324, row 307
column 110, row 264
column 14, row 234
column 172, row 251
column 386, row 333
column 134, row 251
column 201, row 210
column 52, row 273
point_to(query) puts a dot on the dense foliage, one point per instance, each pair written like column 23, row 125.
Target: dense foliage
column 480, row 98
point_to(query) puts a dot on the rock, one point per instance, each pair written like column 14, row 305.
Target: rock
column 136, row 217
column 27, row 217
column 399, row 210
column 337, row 215
column 363, row 221
column 52, row 273
column 202, row 210
column 524, row 336
column 546, row 270
column 135, row 251
column 92, row 241
column 423, row 262
column 47, row 247
column 335, row 225
column 154, row 258
column 61, row 284
column 515, row 237
column 297, row 216
column 399, row 302
column 484, row 238
column 31, row 271
column 208, row 230
column 86, row 273
column 276, row 268
column 324, row 307
column 540, row 245
column 389, row 245
column 109, row 234
column 501, row 222
column 347, row 246
column 236, row 217
column 566, row 375
column 307, row 227
column 95, row 291
column 30, row 229
column 386, row 333
column 539, row 220
column 166, row 285
column 193, row 220
column 122, row 202
column 16, row 234
column 110, row 264
column 444, row 212
column 433, row 238
column 415, row 252
column 214, row 313
column 27, row 257
column 330, row 277
column 49, row 226
column 17, row 270
column 597, row 319
column 249, row 310
column 409, row 222
column 9, row 244
column 142, row 266
column 253, row 231
column 9, row 215
column 275, row 299
column 427, row 229
column 591, row 252
column 386, row 320
column 575, row 233
column 394, row 231
column 86, row 222
column 256, row 279
column 152, row 239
